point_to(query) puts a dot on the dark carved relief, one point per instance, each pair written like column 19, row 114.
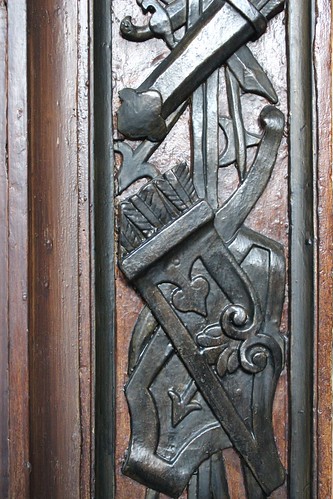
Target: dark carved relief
column 206, row 352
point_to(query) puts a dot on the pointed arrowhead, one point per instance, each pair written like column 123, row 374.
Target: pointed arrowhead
column 182, row 404
column 250, row 75
column 132, row 168
column 229, row 154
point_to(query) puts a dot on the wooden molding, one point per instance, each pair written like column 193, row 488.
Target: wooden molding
column 60, row 259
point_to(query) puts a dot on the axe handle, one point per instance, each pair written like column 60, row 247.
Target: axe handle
column 220, row 31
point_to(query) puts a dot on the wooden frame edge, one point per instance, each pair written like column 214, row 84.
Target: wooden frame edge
column 104, row 253
column 324, row 263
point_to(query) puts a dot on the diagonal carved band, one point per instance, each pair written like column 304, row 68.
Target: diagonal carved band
column 251, row 14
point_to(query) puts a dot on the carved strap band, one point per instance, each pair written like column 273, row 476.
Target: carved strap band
column 251, row 14
column 220, row 32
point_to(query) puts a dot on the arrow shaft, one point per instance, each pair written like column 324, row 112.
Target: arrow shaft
column 189, row 392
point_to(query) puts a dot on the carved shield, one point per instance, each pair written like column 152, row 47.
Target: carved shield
column 204, row 377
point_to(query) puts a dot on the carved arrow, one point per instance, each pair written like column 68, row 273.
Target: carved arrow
column 135, row 164
column 228, row 156
column 182, row 403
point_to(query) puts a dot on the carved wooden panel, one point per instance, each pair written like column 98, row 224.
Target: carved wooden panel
column 212, row 140
column 143, row 314
column 198, row 241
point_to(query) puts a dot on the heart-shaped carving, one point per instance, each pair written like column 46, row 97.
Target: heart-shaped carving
column 192, row 296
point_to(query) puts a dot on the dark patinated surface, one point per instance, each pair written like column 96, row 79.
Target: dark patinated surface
column 193, row 261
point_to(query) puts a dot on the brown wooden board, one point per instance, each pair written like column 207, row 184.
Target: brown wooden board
column 57, row 240
column 323, row 350
column 60, row 274
column 4, row 415
column 18, row 374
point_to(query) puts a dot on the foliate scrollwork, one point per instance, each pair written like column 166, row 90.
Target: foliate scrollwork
column 206, row 352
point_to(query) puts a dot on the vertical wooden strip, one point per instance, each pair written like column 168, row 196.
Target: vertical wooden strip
column 60, row 320
column 4, row 428
column 104, row 254
column 85, row 270
column 302, row 292
column 19, row 467
column 323, row 80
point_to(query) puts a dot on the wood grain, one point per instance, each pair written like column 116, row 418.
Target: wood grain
column 47, row 302
column 61, row 359
column 19, row 464
column 85, row 255
column 323, row 80
column 4, row 423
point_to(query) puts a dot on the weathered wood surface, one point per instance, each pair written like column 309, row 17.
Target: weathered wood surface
column 61, row 312
column 4, row 415
column 17, row 206
column 46, row 299
column 324, row 269
column 46, row 286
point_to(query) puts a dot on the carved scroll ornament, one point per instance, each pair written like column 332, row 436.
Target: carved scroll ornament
column 206, row 351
